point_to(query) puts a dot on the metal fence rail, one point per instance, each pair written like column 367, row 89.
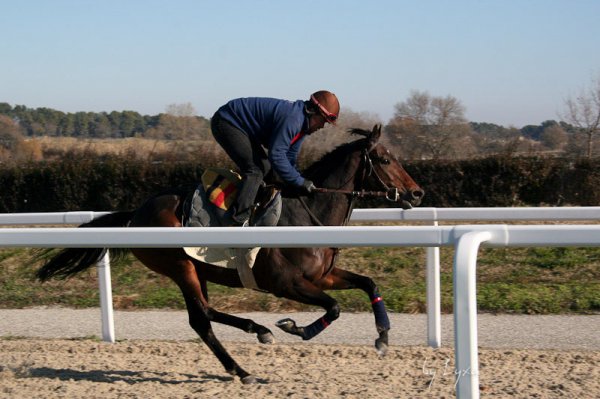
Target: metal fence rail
column 428, row 215
column 466, row 240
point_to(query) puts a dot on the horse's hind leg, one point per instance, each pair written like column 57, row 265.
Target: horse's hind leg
column 198, row 311
column 306, row 292
column 340, row 279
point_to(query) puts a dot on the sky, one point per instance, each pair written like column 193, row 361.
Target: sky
column 509, row 62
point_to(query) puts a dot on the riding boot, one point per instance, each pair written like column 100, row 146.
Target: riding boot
column 245, row 200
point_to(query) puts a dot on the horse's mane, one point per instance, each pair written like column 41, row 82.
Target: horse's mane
column 338, row 154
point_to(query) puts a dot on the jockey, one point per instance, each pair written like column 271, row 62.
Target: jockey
column 245, row 127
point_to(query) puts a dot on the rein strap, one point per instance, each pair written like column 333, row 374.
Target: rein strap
column 391, row 194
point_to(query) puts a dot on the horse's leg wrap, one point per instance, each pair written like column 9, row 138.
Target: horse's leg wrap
column 382, row 323
column 315, row 328
column 381, row 318
column 319, row 325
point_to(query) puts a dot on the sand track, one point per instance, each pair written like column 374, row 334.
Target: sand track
column 520, row 356
column 141, row 369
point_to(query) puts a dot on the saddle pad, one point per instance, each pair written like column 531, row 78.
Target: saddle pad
column 221, row 186
column 201, row 211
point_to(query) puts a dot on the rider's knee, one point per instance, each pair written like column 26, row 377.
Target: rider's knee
column 253, row 172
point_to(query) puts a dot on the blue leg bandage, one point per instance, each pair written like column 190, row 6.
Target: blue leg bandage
column 381, row 318
column 315, row 328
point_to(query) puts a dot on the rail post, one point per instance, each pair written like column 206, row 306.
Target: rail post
column 106, row 304
column 433, row 292
column 465, row 314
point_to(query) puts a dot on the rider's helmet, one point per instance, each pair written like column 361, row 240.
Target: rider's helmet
column 327, row 104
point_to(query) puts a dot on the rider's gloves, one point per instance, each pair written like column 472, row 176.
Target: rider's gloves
column 308, row 186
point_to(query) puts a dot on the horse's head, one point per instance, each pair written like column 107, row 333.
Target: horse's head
column 382, row 171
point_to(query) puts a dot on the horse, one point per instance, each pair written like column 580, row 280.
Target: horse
column 299, row 274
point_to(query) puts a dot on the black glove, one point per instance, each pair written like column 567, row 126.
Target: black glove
column 308, row 186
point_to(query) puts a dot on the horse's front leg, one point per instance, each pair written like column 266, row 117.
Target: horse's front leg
column 304, row 291
column 264, row 335
column 340, row 279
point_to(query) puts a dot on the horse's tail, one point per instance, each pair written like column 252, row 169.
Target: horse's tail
column 70, row 261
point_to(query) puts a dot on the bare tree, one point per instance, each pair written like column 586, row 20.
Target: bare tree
column 180, row 123
column 554, row 137
column 185, row 109
column 14, row 146
column 583, row 112
column 323, row 141
column 10, row 133
column 428, row 127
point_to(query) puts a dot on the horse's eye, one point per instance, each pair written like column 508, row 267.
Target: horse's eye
column 384, row 161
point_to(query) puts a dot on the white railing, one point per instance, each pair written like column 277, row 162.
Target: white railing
column 466, row 239
column 435, row 215
column 102, row 267
column 430, row 215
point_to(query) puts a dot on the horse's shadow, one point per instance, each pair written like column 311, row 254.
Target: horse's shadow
column 129, row 377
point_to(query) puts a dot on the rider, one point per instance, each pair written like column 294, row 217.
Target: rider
column 244, row 127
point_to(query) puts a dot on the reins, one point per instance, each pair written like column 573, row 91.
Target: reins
column 391, row 193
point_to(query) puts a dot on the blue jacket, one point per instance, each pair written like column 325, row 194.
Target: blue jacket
column 274, row 124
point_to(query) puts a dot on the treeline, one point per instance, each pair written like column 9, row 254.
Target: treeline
column 82, row 182
column 417, row 131
column 36, row 122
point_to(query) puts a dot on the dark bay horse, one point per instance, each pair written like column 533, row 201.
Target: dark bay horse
column 300, row 274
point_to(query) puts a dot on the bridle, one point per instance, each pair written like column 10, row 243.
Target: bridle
column 368, row 169
column 389, row 193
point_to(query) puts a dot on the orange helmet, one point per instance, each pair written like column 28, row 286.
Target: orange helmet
column 327, row 104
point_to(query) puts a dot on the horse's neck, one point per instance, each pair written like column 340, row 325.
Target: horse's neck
column 331, row 209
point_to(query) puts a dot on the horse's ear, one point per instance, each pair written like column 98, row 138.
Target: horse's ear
column 375, row 135
column 360, row 132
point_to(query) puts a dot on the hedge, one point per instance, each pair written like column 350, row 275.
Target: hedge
column 112, row 183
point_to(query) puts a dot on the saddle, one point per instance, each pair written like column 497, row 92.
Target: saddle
column 209, row 205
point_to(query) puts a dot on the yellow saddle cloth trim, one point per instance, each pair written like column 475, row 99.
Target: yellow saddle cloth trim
column 221, row 186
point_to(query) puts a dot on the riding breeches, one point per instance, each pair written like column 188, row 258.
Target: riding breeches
column 250, row 158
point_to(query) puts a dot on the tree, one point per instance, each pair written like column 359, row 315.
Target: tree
column 171, row 127
column 10, row 133
column 583, row 111
column 331, row 136
column 554, row 137
column 5, row 109
column 427, row 127
column 185, row 109
column 101, row 127
column 13, row 145
column 130, row 124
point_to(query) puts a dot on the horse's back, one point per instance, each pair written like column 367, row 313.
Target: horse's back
column 164, row 209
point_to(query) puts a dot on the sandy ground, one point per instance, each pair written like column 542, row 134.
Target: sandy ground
column 520, row 356
column 34, row 368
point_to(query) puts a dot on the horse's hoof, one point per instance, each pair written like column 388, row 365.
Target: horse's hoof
column 266, row 338
column 381, row 348
column 249, row 379
column 287, row 325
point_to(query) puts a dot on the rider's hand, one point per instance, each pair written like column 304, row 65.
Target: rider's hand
column 308, row 186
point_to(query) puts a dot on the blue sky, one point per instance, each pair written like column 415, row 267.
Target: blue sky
column 509, row 62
